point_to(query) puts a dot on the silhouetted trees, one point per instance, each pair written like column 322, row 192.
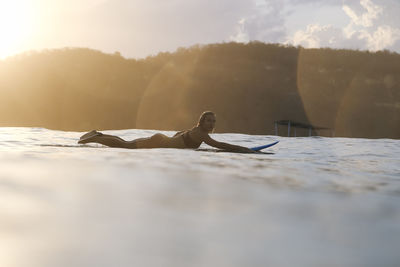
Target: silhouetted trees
column 249, row 86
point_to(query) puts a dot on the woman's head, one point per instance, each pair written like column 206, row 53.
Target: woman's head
column 207, row 121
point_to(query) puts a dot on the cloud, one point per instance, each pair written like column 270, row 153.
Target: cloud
column 241, row 35
column 316, row 36
column 138, row 28
column 264, row 22
column 267, row 18
column 367, row 29
column 318, row 2
column 382, row 38
column 366, row 19
column 147, row 27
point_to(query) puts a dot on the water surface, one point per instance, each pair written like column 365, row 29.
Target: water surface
column 314, row 202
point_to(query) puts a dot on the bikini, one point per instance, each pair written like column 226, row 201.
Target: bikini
column 189, row 142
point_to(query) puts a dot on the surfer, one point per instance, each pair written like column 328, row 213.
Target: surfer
column 191, row 138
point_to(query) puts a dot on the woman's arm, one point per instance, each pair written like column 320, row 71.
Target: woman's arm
column 209, row 141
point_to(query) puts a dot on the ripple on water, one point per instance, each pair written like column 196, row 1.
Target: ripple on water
column 135, row 206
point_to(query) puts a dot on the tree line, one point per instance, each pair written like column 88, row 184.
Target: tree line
column 249, row 86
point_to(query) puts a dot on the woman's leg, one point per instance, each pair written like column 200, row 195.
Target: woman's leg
column 155, row 141
column 104, row 139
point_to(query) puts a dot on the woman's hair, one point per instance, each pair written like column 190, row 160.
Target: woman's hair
column 203, row 117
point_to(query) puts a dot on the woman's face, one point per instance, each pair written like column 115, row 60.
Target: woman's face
column 209, row 123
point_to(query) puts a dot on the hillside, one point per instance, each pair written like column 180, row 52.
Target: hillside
column 249, row 86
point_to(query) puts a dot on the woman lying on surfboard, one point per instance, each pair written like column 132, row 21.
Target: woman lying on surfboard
column 185, row 139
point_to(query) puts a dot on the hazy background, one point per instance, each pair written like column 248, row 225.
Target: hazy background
column 138, row 28
column 249, row 86
column 96, row 64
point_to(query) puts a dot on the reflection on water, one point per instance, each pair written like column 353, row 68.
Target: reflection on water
column 322, row 201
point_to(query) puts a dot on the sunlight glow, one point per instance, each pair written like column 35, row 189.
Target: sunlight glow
column 15, row 25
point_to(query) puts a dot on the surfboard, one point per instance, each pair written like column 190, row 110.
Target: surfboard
column 229, row 151
column 258, row 148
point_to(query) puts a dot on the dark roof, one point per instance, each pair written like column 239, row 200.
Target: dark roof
column 300, row 125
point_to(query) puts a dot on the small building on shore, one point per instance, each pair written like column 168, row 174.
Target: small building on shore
column 293, row 126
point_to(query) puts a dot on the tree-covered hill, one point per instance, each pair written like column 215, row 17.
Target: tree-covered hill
column 249, row 86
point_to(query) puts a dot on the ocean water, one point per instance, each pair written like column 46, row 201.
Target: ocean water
column 313, row 202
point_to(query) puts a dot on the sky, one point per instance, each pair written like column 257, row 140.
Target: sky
column 140, row 28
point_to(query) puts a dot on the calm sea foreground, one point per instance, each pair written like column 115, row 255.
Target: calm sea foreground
column 314, row 202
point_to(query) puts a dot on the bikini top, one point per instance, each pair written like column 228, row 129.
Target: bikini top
column 189, row 142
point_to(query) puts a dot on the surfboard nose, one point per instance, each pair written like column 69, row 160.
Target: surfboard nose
column 258, row 148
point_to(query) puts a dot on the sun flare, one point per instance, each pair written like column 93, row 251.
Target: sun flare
column 15, row 26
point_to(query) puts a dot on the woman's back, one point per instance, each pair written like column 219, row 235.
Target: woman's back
column 191, row 137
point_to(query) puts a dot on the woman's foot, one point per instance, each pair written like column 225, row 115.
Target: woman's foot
column 86, row 138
